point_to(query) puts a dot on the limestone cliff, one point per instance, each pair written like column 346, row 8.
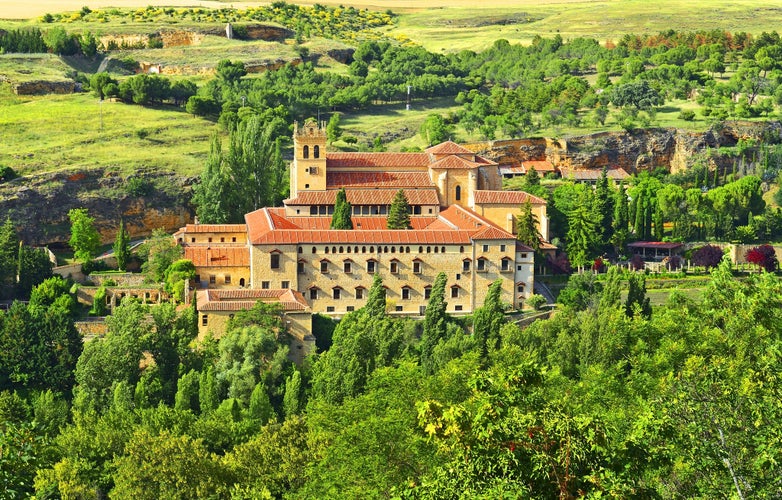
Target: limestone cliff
column 38, row 205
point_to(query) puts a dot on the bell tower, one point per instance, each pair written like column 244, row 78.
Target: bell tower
column 308, row 171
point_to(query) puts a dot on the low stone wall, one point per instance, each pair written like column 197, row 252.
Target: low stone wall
column 119, row 279
column 41, row 87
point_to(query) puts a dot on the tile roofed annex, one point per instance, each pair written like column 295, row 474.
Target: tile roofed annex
column 336, row 180
column 539, row 165
column 506, row 197
column 236, row 300
column 593, row 174
column 223, row 256
column 427, row 196
column 479, row 227
column 449, row 148
column 387, row 160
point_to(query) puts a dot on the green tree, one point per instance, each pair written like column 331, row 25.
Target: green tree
column 85, row 239
column 435, row 323
column 208, row 395
column 260, row 406
column 604, row 207
column 230, row 72
column 176, row 275
column 292, row 400
column 399, row 213
column 34, row 268
column 489, row 319
column 159, row 251
column 527, row 227
column 581, row 235
column 99, row 82
column 122, row 246
column 187, row 392
column 333, row 130
column 341, row 219
column 636, row 296
column 211, row 196
column 376, row 301
column 434, row 130
column 9, row 252
column 621, row 220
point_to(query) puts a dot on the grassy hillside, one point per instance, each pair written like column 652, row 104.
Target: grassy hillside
column 60, row 131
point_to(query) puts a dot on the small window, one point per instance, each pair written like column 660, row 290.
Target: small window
column 192, row 240
column 233, row 240
column 204, row 320
column 306, row 152
column 275, row 260
column 518, row 268
column 520, row 288
column 350, row 308
column 458, row 193
column 316, row 151
column 285, row 285
column 394, row 267
column 485, row 248
column 416, row 267
column 265, row 285
column 371, row 266
column 330, row 309
column 427, row 292
column 466, row 265
column 314, row 250
column 197, row 279
column 481, row 264
column 399, row 309
column 523, row 256
column 337, row 293
column 502, row 248
column 222, row 239
column 212, row 279
column 241, row 281
column 300, row 268
column 359, row 293
column 227, row 279
column 324, row 266
column 405, row 293
column 457, row 308
column 347, row 267
column 454, row 292
column 210, row 239
column 313, row 293
column 506, row 265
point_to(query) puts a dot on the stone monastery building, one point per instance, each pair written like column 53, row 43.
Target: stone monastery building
column 462, row 224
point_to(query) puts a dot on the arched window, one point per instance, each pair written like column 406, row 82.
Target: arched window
column 458, row 192
column 314, row 250
column 306, row 152
column 241, row 281
column 316, row 151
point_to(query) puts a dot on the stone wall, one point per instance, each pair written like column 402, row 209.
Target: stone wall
column 40, row 87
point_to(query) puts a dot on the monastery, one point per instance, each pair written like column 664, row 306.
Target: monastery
column 462, row 222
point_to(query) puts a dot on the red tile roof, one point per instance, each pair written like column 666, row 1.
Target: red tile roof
column 220, row 256
column 214, row 228
column 365, row 197
column 492, row 233
column 665, row 245
column 449, row 148
column 521, row 247
column 237, row 300
column 376, row 237
column 540, row 165
column 387, row 160
column 506, row 198
column 336, row 180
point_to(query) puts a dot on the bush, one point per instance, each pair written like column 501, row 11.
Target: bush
column 536, row 301
column 763, row 256
column 6, row 173
column 707, row 256
column 140, row 187
column 687, row 115
column 92, row 266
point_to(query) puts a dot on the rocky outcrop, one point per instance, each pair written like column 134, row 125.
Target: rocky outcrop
column 345, row 56
column 40, row 87
column 38, row 205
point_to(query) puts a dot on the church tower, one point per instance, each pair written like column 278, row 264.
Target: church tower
column 308, row 170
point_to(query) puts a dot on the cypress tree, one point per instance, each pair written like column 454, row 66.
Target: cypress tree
column 604, row 206
column 527, row 227
column 187, row 392
column 489, row 319
column 291, row 402
column 532, row 178
column 621, row 220
column 9, row 251
column 122, row 246
column 376, row 301
column 341, row 218
column 260, row 406
column 399, row 214
column 207, row 391
column 636, row 294
column 435, row 322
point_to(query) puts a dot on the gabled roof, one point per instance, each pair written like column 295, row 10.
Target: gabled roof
column 426, row 196
column 449, row 148
column 360, row 222
column 539, row 165
column 397, row 180
column 237, row 300
column 593, row 174
column 506, row 198
column 218, row 256
column 387, row 160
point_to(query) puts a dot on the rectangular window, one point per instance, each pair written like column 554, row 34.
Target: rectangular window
column 330, row 309
column 324, row 266
column 204, row 320
column 192, row 240
column 285, row 285
column 502, row 248
column 457, row 308
column 417, row 267
column 481, row 266
column 455, row 292
column 300, row 268
column 222, row 239
column 265, row 285
column 405, row 294
column 523, row 256
column 394, row 267
column 275, row 261
column 371, row 266
column 337, row 293
column 212, row 279
column 197, row 279
column 427, row 292
column 227, row 279
column 505, row 266
column 350, row 308
column 399, row 308
column 347, row 267
column 359, row 293
column 233, row 240
column 485, row 248
column 313, row 293
column 518, row 268
column 466, row 266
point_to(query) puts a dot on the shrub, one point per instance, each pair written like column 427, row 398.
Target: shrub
column 687, row 115
column 637, row 263
column 536, row 301
column 6, row 173
column 92, row 266
column 707, row 256
column 140, row 187
column 763, row 256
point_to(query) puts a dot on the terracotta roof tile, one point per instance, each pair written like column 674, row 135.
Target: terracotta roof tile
column 335, row 180
column 237, row 300
column 222, row 256
column 360, row 222
column 593, row 174
column 449, row 148
column 365, row 197
column 540, row 165
column 387, row 160
column 214, row 228
column 377, row 237
column 506, row 198
column 492, row 233
column 521, row 247
column 455, row 162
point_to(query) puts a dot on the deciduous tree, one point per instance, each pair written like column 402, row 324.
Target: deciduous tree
column 85, row 239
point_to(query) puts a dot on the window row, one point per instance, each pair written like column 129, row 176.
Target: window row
column 305, row 153
column 226, row 279
column 406, row 292
column 481, row 265
column 380, row 249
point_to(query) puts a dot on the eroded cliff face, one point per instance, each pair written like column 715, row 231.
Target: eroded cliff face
column 642, row 149
column 38, row 205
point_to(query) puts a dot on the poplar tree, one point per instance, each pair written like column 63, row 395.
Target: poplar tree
column 620, row 220
column 399, row 214
column 341, row 218
column 604, row 207
column 488, row 320
column 376, row 301
column 85, row 239
column 9, row 250
column 291, row 403
column 435, row 322
column 260, row 405
column 122, row 247
column 636, row 294
column 208, row 399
